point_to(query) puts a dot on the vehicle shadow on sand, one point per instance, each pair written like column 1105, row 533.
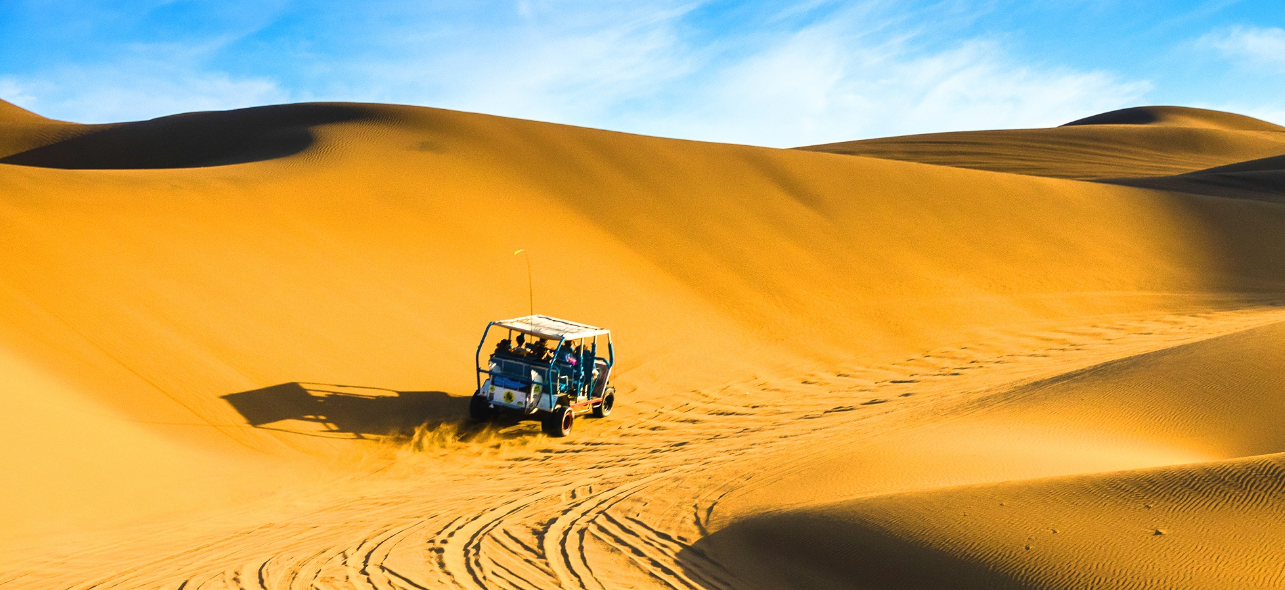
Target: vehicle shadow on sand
column 348, row 411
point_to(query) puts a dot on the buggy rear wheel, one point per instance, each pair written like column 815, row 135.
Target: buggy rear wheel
column 479, row 408
column 558, row 422
column 603, row 409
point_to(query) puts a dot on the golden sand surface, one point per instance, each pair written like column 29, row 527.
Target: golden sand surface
column 236, row 350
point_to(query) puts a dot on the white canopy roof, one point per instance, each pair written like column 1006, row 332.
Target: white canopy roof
column 544, row 326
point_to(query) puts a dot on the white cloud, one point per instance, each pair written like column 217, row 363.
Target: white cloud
column 1261, row 46
column 572, row 68
column 826, row 84
column 136, row 79
column 111, row 94
column 17, row 93
column 977, row 86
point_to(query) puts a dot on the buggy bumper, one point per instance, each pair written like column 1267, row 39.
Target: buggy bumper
column 513, row 399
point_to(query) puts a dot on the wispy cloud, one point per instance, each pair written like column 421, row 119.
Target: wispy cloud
column 109, row 94
column 821, row 86
column 1260, row 46
column 552, row 66
column 17, row 93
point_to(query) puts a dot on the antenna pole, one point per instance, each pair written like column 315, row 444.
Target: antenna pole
column 530, row 285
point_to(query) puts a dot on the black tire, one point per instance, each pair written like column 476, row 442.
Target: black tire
column 479, row 408
column 603, row 409
column 558, row 422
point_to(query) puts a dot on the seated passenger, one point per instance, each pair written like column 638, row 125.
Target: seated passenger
column 571, row 356
column 520, row 349
column 503, row 347
column 540, row 351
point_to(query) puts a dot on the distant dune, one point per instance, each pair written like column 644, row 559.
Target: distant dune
column 1185, row 117
column 236, row 349
column 1144, row 141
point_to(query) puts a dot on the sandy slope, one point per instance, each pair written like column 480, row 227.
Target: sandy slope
column 1211, row 404
column 332, row 264
column 1209, row 525
column 22, row 130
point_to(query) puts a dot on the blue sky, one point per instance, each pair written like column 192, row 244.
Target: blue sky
column 765, row 73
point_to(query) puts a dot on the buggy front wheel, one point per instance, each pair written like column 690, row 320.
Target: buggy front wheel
column 558, row 422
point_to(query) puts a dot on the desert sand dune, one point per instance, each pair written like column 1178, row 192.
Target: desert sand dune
column 1208, row 400
column 1262, row 179
column 1272, row 164
column 1209, row 525
column 22, row 130
column 1141, row 142
column 1214, row 400
column 12, row 113
column 1166, row 116
column 236, row 346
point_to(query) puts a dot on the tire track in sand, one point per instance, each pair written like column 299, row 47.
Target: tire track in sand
column 643, row 489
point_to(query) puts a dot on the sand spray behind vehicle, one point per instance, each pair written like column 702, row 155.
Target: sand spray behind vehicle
column 463, row 442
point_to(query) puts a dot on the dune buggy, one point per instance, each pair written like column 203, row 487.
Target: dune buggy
column 546, row 367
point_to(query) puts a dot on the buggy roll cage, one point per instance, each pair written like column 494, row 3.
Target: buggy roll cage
column 549, row 328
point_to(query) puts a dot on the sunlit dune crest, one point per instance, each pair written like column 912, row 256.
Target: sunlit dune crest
column 1178, row 117
column 237, row 350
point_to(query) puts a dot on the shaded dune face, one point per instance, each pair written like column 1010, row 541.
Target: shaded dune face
column 190, row 140
column 1262, row 179
column 1269, row 164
